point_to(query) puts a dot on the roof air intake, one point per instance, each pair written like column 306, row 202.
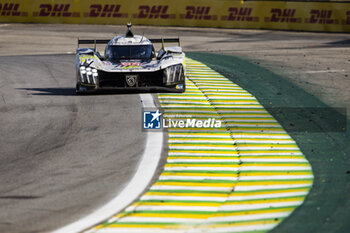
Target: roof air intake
column 129, row 32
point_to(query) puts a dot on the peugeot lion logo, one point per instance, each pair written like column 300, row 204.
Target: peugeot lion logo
column 131, row 80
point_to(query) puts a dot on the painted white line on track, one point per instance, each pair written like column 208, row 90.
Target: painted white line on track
column 188, row 188
column 202, row 178
column 158, row 219
column 178, row 207
column 268, row 187
column 323, row 71
column 183, row 198
column 247, row 217
column 266, row 196
column 135, row 187
column 245, row 207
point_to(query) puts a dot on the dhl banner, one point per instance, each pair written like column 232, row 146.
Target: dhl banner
column 305, row 16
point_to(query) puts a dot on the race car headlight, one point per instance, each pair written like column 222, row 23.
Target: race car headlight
column 88, row 75
column 172, row 73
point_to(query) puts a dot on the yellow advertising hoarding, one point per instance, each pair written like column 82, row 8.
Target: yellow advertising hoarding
column 305, row 16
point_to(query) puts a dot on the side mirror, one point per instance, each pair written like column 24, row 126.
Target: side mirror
column 99, row 56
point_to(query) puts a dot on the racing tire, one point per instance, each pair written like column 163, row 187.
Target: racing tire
column 77, row 89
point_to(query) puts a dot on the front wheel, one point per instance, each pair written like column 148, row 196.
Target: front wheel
column 78, row 89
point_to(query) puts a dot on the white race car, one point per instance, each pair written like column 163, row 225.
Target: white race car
column 130, row 62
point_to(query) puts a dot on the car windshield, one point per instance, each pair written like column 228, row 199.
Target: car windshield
column 120, row 52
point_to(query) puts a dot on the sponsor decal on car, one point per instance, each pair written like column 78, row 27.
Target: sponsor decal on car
column 130, row 65
column 179, row 86
column 84, row 58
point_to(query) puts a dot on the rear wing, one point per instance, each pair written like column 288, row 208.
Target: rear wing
column 92, row 42
column 161, row 40
column 166, row 40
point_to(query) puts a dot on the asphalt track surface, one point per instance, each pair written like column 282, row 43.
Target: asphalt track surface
column 62, row 156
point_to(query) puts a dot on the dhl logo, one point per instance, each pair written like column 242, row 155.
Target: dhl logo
column 347, row 21
column 240, row 14
column 321, row 17
column 283, row 15
column 11, row 9
column 107, row 10
column 154, row 12
column 55, row 10
column 198, row 13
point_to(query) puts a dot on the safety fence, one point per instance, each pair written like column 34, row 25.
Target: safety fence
column 284, row 15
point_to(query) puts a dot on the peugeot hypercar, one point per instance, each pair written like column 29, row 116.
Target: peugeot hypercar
column 130, row 62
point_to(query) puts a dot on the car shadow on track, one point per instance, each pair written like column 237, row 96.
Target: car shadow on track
column 58, row 91
column 67, row 91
